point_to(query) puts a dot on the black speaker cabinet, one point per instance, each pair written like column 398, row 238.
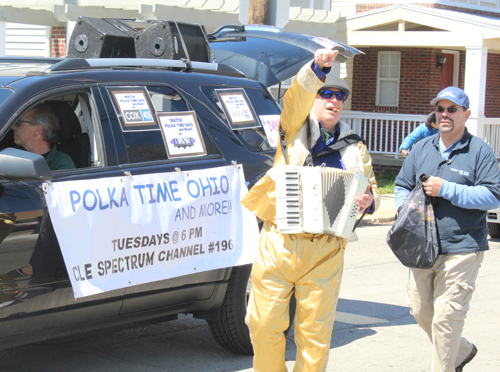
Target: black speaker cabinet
column 156, row 41
column 165, row 40
column 101, row 38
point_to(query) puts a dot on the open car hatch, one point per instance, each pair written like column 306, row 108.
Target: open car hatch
column 268, row 54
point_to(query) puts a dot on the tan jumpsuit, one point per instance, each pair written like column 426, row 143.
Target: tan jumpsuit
column 312, row 265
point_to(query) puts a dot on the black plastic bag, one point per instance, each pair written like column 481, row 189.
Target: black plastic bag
column 414, row 237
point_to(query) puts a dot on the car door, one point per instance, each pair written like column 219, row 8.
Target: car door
column 35, row 291
column 143, row 150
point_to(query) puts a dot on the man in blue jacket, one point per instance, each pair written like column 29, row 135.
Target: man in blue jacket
column 465, row 183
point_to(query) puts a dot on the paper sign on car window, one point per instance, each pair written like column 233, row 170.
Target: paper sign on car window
column 181, row 133
column 271, row 125
column 134, row 107
column 238, row 109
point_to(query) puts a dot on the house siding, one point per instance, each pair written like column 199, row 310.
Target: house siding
column 27, row 40
column 360, row 8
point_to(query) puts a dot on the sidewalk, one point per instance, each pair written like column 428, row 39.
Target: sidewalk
column 384, row 214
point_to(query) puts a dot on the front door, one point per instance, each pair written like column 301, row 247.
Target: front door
column 447, row 71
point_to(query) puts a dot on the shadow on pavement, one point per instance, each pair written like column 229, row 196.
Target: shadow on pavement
column 358, row 319
column 170, row 346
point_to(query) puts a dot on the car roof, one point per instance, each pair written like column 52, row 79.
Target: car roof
column 13, row 69
column 21, row 66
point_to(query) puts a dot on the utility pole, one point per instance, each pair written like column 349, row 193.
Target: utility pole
column 258, row 12
column 264, row 12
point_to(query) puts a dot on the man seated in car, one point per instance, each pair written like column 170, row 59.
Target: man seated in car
column 36, row 131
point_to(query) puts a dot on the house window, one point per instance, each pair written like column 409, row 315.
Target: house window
column 388, row 78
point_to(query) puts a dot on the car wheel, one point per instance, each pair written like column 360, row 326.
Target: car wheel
column 230, row 330
column 494, row 229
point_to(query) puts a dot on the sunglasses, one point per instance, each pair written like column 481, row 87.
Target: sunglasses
column 327, row 93
column 450, row 110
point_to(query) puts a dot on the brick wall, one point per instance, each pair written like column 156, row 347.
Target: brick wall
column 419, row 83
column 419, row 80
column 492, row 109
column 366, row 7
column 58, row 41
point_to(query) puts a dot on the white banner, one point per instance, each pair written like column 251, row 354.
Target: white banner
column 125, row 231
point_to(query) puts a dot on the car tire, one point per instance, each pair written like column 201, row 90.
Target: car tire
column 230, row 330
column 494, row 229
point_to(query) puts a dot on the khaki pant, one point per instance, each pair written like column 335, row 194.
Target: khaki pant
column 311, row 266
column 439, row 299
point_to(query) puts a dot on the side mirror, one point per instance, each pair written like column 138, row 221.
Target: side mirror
column 19, row 165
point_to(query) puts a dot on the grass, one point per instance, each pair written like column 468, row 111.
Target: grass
column 385, row 182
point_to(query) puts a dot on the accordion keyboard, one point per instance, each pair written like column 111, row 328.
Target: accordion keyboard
column 317, row 199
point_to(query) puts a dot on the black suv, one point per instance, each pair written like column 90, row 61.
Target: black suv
column 37, row 301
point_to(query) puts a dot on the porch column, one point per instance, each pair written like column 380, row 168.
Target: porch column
column 475, row 87
column 3, row 38
column 70, row 26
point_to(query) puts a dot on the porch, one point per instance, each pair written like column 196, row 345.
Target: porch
column 384, row 133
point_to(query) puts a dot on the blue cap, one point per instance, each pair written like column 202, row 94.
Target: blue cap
column 453, row 94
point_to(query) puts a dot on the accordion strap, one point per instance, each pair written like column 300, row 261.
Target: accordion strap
column 341, row 143
column 283, row 145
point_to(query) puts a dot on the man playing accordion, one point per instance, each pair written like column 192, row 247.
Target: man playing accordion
column 308, row 265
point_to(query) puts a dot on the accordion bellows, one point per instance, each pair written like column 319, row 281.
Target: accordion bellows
column 317, row 200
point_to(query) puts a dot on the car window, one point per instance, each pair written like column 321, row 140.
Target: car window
column 78, row 135
column 253, row 137
column 142, row 130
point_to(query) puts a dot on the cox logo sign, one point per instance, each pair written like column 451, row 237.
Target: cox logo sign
column 137, row 116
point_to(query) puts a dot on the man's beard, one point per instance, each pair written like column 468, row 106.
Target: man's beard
column 447, row 129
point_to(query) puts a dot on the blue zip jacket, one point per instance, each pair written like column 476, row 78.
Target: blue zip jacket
column 420, row 132
column 471, row 163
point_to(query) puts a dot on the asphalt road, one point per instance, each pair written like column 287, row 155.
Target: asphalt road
column 374, row 330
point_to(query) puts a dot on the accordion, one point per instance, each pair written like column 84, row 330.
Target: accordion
column 317, row 200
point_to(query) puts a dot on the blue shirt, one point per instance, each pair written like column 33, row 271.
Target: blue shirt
column 460, row 209
column 333, row 159
column 468, row 197
column 420, row 132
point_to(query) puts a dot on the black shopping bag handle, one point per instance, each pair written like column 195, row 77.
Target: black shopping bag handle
column 424, row 177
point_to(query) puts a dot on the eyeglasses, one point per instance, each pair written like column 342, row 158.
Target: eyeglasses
column 327, row 93
column 450, row 110
column 20, row 122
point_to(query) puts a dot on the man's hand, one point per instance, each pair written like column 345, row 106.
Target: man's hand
column 325, row 57
column 365, row 201
column 433, row 185
column 404, row 152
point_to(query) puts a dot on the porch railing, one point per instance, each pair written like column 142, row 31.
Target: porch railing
column 492, row 134
column 384, row 133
